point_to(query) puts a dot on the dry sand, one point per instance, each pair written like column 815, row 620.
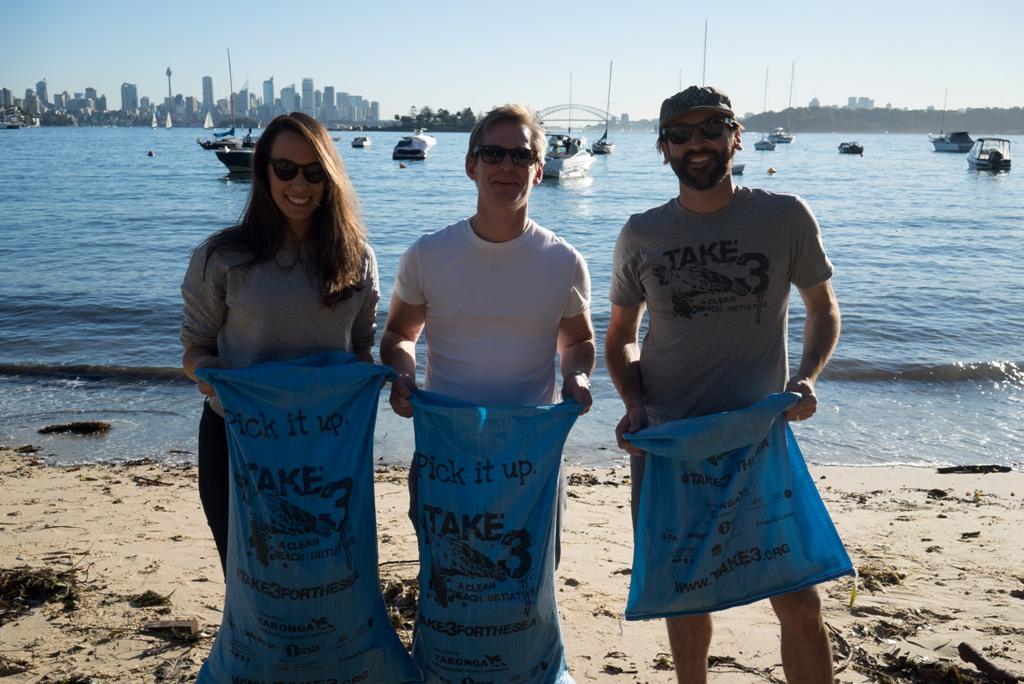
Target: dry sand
column 955, row 555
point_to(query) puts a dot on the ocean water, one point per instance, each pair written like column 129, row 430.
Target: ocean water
column 95, row 237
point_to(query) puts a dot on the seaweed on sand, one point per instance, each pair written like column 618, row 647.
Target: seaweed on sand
column 23, row 588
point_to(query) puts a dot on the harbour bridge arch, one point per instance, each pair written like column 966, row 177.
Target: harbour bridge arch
column 599, row 115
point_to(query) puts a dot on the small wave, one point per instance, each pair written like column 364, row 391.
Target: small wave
column 93, row 372
column 989, row 371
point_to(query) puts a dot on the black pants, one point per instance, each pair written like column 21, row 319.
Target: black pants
column 214, row 481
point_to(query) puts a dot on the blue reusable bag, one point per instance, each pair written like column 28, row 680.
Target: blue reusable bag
column 487, row 483
column 303, row 598
column 728, row 515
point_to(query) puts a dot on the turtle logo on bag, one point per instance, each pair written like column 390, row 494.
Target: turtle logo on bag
column 302, row 535
column 460, row 571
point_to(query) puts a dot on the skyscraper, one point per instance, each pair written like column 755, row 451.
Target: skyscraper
column 356, row 111
column 344, row 110
column 330, row 109
column 41, row 92
column 242, row 103
column 129, row 97
column 268, row 93
column 374, row 116
column 288, row 99
column 208, row 102
column 307, row 96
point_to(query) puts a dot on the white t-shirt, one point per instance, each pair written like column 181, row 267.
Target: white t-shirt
column 493, row 311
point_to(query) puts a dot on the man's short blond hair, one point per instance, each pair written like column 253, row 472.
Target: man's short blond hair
column 517, row 113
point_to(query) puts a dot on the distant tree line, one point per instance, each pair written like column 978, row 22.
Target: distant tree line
column 438, row 120
column 836, row 119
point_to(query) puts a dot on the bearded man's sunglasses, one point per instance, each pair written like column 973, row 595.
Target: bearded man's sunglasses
column 712, row 129
column 495, row 154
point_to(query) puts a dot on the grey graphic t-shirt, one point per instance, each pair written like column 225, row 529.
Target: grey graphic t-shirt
column 716, row 288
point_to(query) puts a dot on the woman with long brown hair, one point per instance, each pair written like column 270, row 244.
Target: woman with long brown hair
column 295, row 277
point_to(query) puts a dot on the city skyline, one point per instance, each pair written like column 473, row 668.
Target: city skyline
column 463, row 54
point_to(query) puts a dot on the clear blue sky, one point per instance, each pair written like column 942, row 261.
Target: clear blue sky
column 478, row 54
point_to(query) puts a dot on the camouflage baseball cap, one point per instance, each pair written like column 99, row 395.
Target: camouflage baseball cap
column 694, row 98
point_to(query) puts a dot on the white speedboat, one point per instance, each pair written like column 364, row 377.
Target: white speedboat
column 414, row 146
column 567, row 157
column 990, row 154
column 781, row 135
column 957, row 141
column 361, row 141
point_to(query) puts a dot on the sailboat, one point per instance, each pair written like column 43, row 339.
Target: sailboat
column 153, row 124
column 230, row 151
column 167, row 124
column 208, row 121
column 602, row 146
column 782, row 135
column 764, row 144
column 955, row 141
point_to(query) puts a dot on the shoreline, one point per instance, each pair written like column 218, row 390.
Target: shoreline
column 128, row 529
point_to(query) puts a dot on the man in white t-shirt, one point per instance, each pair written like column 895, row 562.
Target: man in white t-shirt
column 497, row 294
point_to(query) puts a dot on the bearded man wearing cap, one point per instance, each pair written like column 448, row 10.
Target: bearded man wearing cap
column 713, row 268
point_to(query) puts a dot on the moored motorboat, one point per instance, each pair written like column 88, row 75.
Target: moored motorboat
column 781, row 135
column 764, row 144
column 990, row 154
column 737, row 169
column 237, row 161
column 415, row 146
column 361, row 141
column 567, row 157
column 851, row 148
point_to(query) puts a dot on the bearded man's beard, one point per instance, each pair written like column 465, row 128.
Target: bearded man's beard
column 706, row 177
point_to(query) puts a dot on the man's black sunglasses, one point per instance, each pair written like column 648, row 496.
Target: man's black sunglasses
column 495, row 154
column 286, row 170
column 712, row 129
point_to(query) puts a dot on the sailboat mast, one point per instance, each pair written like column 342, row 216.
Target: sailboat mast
column 607, row 107
column 764, row 107
column 570, row 103
column 704, row 68
column 942, row 126
column 231, row 85
column 792, row 73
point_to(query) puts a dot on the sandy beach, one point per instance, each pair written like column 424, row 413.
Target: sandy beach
column 940, row 558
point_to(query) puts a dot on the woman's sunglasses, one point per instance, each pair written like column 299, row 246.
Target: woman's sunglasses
column 712, row 129
column 286, row 170
column 495, row 154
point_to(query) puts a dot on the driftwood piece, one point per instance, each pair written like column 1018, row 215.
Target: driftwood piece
column 189, row 626
column 974, row 469
column 969, row 655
